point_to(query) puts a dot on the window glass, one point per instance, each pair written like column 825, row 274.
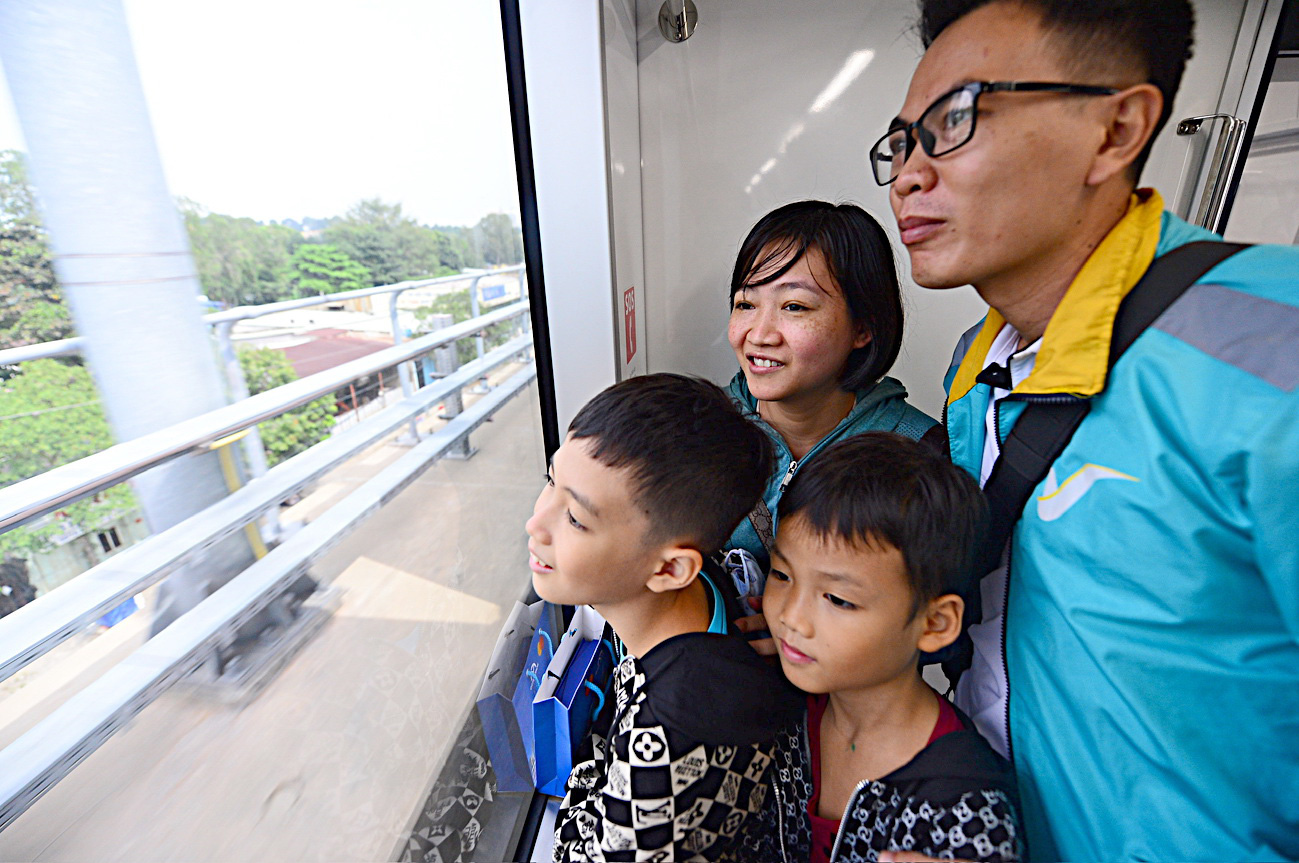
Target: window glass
column 311, row 148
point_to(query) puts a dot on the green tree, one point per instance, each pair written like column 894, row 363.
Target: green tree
column 464, row 243
column 50, row 415
column 240, row 261
column 32, row 309
column 393, row 246
column 499, row 241
column 320, row 268
column 290, row 433
column 456, row 304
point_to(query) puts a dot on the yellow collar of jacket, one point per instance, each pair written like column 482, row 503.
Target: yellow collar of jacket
column 1075, row 353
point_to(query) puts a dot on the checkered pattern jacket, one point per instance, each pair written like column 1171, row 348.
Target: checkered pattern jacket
column 955, row 800
column 679, row 758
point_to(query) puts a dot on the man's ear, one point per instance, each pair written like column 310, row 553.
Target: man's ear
column 1131, row 122
column 677, row 567
column 942, row 622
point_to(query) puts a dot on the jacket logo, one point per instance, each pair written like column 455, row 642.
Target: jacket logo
column 1060, row 497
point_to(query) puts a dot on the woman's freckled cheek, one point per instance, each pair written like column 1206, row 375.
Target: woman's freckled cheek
column 817, row 328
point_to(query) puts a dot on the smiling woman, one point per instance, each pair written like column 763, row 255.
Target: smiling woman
column 816, row 321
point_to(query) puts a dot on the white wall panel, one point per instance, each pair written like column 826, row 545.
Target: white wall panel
column 737, row 120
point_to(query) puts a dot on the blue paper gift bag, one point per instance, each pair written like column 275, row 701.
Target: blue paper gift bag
column 496, row 711
column 537, row 658
column 571, row 694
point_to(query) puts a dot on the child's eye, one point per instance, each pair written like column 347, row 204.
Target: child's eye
column 837, row 602
column 778, row 575
column 574, row 522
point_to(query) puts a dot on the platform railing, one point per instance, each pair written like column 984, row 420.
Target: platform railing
column 31, row 765
column 27, row 500
column 76, row 344
column 223, row 324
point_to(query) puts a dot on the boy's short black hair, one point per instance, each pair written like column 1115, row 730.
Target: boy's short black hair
column 859, row 256
column 884, row 488
column 697, row 465
column 1154, row 37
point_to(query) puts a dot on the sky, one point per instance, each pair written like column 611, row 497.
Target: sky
column 278, row 109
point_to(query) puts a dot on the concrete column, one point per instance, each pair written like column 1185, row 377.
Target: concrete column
column 120, row 251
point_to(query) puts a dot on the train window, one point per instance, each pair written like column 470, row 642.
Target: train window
column 1264, row 209
column 311, row 149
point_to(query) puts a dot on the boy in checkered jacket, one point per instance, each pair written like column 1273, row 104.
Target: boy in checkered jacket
column 868, row 571
column 654, row 474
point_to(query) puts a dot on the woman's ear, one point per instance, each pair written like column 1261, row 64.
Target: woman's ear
column 676, row 570
column 942, row 622
column 861, row 336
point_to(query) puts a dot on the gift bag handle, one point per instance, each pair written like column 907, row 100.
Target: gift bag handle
column 599, row 694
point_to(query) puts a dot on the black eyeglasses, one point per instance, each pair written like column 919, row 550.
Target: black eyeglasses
column 949, row 122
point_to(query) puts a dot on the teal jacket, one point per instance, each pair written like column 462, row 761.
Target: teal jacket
column 881, row 407
column 1151, row 636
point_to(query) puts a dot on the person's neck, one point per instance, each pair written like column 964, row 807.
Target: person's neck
column 1028, row 296
column 802, row 422
column 648, row 619
column 889, row 721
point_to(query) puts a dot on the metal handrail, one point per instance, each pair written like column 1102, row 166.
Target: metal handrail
column 242, row 313
column 44, row 350
column 27, row 500
column 33, row 630
column 76, row 344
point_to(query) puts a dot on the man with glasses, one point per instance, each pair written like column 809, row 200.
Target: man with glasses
column 1138, row 653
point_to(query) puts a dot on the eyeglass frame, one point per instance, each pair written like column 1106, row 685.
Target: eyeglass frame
column 914, row 131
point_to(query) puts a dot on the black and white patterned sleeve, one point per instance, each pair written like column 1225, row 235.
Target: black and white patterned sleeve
column 983, row 825
column 657, row 795
column 758, row 839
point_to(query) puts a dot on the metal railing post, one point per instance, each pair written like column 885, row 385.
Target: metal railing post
column 473, row 311
column 446, row 360
column 405, row 371
column 254, row 449
column 482, row 387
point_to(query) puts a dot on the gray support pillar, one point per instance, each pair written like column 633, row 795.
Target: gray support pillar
column 120, row 251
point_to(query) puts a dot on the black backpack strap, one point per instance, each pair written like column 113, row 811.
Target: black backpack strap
column 1166, row 280
column 1045, row 427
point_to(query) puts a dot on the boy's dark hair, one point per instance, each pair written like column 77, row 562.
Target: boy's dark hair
column 859, row 257
column 1154, row 37
column 696, row 464
column 884, row 488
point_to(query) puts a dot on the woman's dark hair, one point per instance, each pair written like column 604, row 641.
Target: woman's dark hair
column 859, row 257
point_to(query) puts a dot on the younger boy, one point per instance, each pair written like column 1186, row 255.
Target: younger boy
column 655, row 473
column 867, row 572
